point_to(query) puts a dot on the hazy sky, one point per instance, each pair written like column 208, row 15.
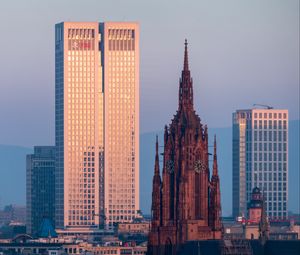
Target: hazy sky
column 241, row 52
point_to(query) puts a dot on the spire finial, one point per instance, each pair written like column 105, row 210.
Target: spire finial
column 186, row 84
column 186, row 61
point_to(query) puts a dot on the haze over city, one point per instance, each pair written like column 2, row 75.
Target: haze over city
column 243, row 52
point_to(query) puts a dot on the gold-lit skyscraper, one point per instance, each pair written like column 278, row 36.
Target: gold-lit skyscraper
column 97, row 123
column 121, row 86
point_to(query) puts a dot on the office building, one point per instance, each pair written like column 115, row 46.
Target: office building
column 121, row 93
column 260, row 159
column 97, row 123
column 40, row 185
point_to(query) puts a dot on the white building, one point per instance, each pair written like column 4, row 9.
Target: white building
column 260, row 159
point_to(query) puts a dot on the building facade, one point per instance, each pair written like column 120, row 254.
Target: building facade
column 40, row 188
column 121, row 121
column 186, row 202
column 97, row 123
column 260, row 159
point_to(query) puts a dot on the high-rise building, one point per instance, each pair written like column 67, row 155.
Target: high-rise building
column 186, row 202
column 40, row 188
column 260, row 159
column 97, row 123
column 121, row 121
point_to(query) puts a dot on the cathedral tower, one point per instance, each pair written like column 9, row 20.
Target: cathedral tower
column 186, row 204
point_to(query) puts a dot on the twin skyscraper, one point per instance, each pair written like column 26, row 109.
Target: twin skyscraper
column 96, row 124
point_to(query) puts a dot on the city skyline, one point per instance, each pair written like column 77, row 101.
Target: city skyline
column 150, row 127
column 161, row 85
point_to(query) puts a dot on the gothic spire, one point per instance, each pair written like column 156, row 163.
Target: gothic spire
column 156, row 168
column 186, row 84
column 215, row 164
column 156, row 191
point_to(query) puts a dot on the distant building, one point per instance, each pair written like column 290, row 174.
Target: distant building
column 134, row 228
column 11, row 230
column 40, row 187
column 13, row 213
column 256, row 226
column 260, row 159
column 118, row 250
column 97, row 124
column 47, row 247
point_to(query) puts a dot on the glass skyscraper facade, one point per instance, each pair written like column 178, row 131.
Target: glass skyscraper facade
column 121, row 121
column 40, row 195
column 260, row 159
column 97, row 123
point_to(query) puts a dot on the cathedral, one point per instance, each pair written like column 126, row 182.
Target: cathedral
column 186, row 203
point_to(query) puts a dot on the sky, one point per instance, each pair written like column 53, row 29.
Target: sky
column 241, row 53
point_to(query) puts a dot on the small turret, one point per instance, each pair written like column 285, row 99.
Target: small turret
column 255, row 206
column 215, row 196
column 156, row 191
column 215, row 164
column 156, row 168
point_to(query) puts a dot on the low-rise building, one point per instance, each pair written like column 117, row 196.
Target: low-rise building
column 134, row 228
column 52, row 247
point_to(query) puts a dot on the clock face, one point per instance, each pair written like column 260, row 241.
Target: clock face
column 170, row 166
column 199, row 166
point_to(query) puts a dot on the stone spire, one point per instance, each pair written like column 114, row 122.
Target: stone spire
column 186, row 84
column 156, row 191
column 215, row 196
column 156, row 168
column 215, row 164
